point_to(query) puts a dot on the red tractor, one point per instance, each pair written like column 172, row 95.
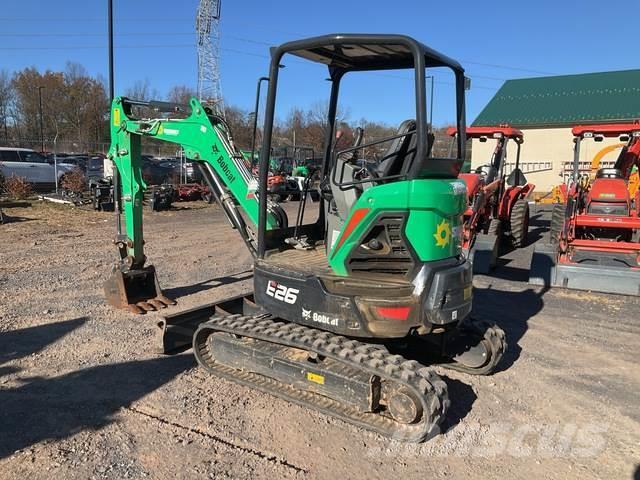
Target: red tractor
column 594, row 236
column 497, row 211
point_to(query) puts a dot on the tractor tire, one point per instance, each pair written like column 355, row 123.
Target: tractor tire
column 557, row 222
column 519, row 223
column 495, row 227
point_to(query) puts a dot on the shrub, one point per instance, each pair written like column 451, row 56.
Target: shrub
column 17, row 188
column 74, row 181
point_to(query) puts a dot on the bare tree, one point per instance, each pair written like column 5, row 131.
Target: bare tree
column 74, row 106
column 181, row 94
column 142, row 90
column 7, row 99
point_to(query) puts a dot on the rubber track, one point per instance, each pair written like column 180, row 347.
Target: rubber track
column 494, row 338
column 373, row 359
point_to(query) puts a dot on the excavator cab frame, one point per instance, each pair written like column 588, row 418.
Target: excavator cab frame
column 345, row 53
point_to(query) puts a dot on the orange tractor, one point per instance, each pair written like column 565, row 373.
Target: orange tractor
column 594, row 241
column 497, row 213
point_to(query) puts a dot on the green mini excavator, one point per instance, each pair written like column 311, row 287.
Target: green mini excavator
column 348, row 311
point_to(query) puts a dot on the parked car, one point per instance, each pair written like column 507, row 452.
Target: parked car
column 36, row 168
column 154, row 173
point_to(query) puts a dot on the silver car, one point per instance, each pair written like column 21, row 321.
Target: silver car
column 23, row 162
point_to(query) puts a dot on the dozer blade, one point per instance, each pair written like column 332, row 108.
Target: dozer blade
column 543, row 265
column 484, row 254
column 606, row 279
column 136, row 290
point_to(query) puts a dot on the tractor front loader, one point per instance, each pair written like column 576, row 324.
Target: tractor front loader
column 497, row 213
column 594, row 239
column 381, row 267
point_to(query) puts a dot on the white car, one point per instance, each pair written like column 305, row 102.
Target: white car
column 23, row 162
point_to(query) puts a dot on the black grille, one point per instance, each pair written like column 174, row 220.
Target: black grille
column 602, row 208
column 395, row 256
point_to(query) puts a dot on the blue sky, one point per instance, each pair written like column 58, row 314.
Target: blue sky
column 494, row 41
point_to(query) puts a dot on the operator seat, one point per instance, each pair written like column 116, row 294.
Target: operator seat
column 400, row 153
column 609, row 173
column 516, row 178
column 395, row 162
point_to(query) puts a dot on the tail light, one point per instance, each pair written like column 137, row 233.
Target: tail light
column 392, row 316
column 393, row 313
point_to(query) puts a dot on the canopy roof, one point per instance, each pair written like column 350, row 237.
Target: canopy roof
column 353, row 52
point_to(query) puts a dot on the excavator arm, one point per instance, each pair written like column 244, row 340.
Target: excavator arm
column 205, row 139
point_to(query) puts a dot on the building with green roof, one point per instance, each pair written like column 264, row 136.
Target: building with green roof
column 546, row 108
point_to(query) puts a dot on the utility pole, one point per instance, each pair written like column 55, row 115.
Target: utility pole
column 111, row 95
column 41, row 124
column 116, row 174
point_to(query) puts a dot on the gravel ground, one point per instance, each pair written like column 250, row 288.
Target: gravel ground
column 84, row 393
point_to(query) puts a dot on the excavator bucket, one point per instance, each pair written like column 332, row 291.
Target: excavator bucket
column 545, row 271
column 136, row 290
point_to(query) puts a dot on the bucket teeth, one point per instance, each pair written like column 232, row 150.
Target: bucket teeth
column 136, row 290
column 136, row 310
column 165, row 300
column 157, row 304
column 147, row 307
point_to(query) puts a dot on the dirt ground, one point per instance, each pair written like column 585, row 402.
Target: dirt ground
column 84, row 393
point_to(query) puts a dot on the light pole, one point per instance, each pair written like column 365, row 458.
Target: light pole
column 41, row 124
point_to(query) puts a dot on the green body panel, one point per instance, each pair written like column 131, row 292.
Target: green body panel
column 201, row 141
column 434, row 225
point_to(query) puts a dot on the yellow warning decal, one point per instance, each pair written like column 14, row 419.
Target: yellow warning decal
column 467, row 292
column 316, row 378
column 116, row 117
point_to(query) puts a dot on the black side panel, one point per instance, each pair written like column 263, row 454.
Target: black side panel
column 303, row 299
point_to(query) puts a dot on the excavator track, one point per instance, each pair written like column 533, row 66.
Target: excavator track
column 407, row 401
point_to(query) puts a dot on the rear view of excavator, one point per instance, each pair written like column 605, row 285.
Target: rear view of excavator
column 497, row 214
column 341, row 305
column 594, row 241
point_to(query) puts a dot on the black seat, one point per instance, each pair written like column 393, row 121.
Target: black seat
column 400, row 152
column 609, row 173
column 516, row 178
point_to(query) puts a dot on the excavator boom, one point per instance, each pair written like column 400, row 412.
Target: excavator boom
column 206, row 140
